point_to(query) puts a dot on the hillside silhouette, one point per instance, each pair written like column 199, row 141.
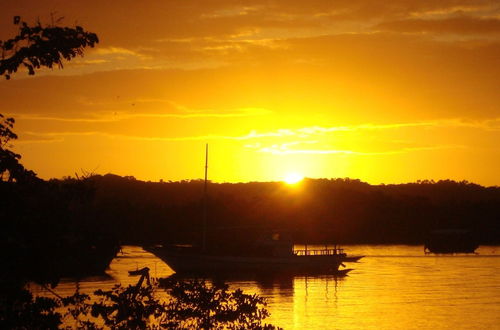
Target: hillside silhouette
column 316, row 211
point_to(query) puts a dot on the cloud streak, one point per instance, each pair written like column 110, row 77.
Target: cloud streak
column 487, row 125
column 284, row 149
column 304, row 132
column 118, row 116
column 456, row 25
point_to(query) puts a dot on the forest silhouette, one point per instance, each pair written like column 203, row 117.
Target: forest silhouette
column 46, row 225
column 319, row 211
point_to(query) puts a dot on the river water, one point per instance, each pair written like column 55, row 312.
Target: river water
column 393, row 287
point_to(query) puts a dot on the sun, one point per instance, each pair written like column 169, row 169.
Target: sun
column 292, row 178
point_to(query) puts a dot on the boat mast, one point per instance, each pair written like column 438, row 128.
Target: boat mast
column 204, row 232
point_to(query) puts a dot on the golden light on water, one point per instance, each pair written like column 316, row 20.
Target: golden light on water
column 376, row 294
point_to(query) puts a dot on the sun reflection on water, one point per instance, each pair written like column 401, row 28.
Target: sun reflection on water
column 393, row 287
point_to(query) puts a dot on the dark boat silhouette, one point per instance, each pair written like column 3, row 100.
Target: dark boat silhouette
column 451, row 241
column 273, row 253
column 197, row 263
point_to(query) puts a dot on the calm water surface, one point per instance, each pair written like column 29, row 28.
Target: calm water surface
column 393, row 287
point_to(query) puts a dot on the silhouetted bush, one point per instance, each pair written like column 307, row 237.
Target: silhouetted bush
column 188, row 305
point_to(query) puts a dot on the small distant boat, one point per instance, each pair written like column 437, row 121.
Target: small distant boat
column 139, row 272
column 451, row 241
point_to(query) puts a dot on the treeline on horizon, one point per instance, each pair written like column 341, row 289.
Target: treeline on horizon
column 74, row 226
column 314, row 211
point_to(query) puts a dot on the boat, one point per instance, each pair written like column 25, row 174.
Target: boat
column 450, row 241
column 273, row 252
column 273, row 255
column 197, row 263
column 139, row 272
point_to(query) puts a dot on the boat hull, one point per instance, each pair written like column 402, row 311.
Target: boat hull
column 182, row 262
column 450, row 249
column 451, row 241
column 352, row 258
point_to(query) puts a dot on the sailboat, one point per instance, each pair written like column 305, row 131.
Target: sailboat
column 272, row 253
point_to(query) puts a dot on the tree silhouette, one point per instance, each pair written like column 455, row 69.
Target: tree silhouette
column 34, row 47
column 43, row 46
column 10, row 168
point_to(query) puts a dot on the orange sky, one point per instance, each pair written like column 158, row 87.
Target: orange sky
column 383, row 91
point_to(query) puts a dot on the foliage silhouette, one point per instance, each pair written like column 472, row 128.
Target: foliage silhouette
column 43, row 46
column 194, row 304
column 34, row 47
column 10, row 168
column 188, row 305
column 20, row 310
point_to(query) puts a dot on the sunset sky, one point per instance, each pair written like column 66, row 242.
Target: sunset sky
column 383, row 91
